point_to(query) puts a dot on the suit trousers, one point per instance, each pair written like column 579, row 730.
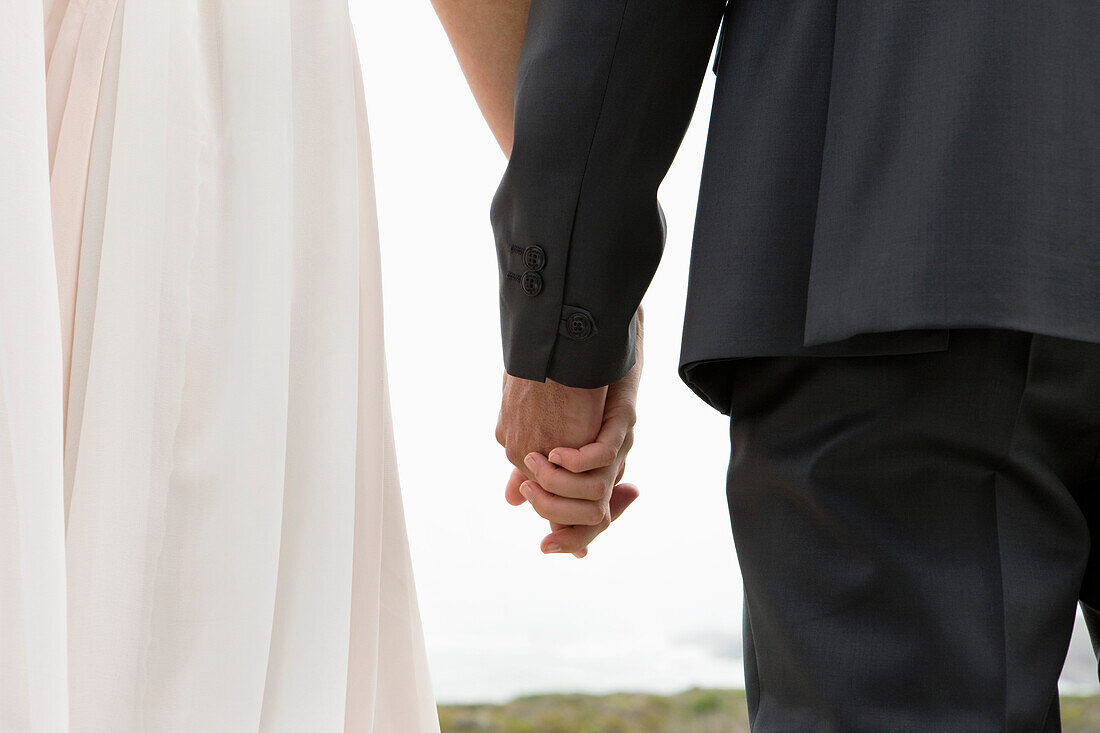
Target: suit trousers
column 915, row 532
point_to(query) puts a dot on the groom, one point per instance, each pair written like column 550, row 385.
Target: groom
column 895, row 294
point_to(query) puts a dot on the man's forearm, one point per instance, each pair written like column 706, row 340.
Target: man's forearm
column 604, row 93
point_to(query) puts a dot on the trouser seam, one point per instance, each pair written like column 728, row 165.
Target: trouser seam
column 997, row 473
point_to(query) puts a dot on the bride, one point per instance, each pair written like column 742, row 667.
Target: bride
column 200, row 521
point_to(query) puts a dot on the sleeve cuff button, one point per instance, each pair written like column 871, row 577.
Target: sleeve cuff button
column 534, row 257
column 531, row 282
column 580, row 326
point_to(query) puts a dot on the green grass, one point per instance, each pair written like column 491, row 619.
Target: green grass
column 695, row 711
column 1080, row 714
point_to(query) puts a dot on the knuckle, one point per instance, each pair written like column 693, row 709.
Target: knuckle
column 625, row 412
column 515, row 456
column 593, row 516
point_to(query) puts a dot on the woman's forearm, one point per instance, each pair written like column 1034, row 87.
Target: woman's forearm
column 487, row 36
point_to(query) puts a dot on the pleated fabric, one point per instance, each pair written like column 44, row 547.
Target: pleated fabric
column 226, row 502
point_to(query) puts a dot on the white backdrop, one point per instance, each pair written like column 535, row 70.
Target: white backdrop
column 657, row 604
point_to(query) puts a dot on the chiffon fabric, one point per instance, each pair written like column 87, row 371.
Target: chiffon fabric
column 200, row 521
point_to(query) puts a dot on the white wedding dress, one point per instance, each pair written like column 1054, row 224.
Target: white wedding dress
column 200, row 522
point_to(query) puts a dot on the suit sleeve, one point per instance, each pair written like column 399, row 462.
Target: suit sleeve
column 604, row 94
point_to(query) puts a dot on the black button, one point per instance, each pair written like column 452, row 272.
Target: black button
column 531, row 282
column 579, row 325
column 534, row 257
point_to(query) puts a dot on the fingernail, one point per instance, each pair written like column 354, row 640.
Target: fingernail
column 553, row 547
column 530, row 461
column 554, row 456
column 525, row 490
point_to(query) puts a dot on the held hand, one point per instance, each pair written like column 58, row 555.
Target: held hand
column 578, row 489
column 539, row 416
column 565, row 538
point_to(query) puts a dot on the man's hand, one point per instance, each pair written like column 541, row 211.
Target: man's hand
column 536, row 417
column 539, row 416
column 569, row 457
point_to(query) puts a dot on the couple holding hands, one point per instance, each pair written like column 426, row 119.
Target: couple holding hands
column 893, row 295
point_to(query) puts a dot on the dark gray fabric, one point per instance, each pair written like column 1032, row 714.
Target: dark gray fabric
column 881, row 170
column 914, row 532
column 604, row 94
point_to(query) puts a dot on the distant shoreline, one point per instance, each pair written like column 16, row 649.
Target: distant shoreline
column 693, row 711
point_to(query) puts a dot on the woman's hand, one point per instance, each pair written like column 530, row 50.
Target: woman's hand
column 578, row 489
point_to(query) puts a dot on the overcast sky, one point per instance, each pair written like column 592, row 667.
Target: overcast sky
column 657, row 604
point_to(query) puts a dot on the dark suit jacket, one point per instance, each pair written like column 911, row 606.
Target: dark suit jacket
column 877, row 172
